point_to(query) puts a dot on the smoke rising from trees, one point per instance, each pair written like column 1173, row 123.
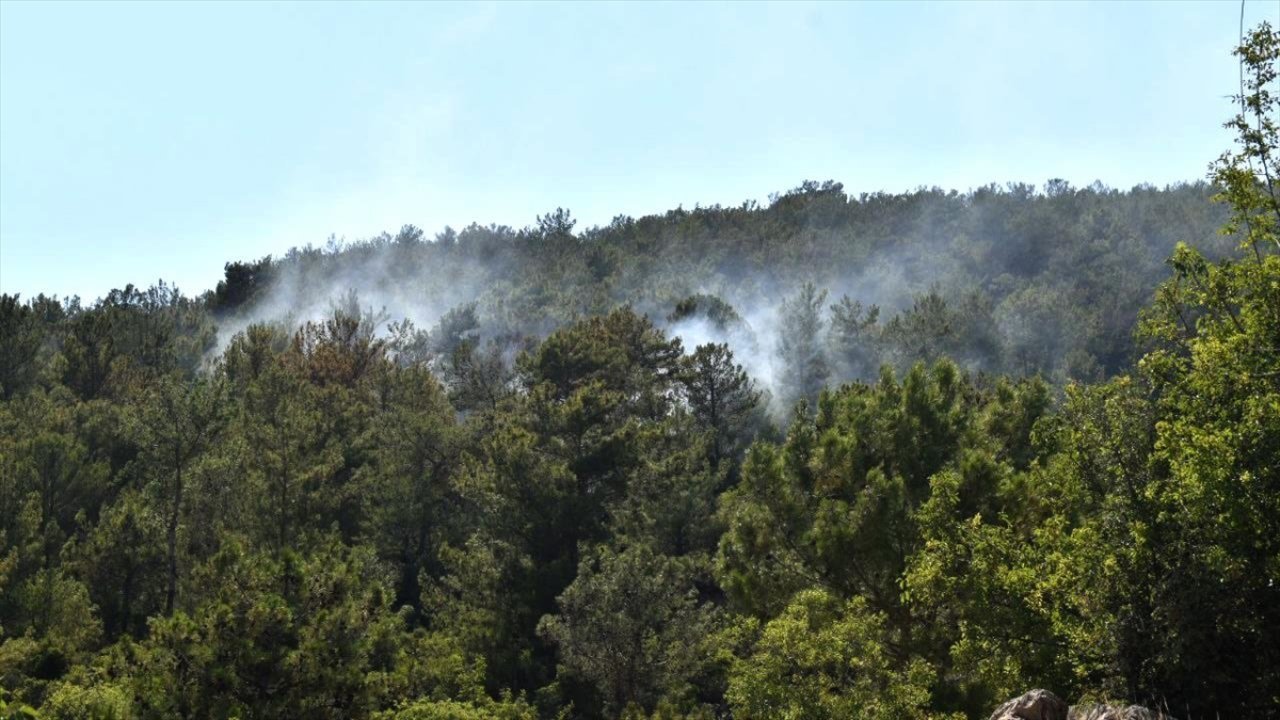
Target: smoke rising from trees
column 1009, row 279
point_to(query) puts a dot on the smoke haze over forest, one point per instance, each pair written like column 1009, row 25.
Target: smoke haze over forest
column 1016, row 279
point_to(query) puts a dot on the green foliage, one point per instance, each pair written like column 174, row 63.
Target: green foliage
column 241, row 283
column 11, row 709
column 69, row 701
column 832, row 507
column 21, row 337
column 273, row 637
column 123, row 561
column 635, row 642
column 800, row 346
column 722, row 398
column 821, row 658
column 453, row 710
column 715, row 310
column 416, row 447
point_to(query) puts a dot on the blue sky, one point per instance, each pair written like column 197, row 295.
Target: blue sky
column 147, row 141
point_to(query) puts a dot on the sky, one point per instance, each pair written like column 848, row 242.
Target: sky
column 151, row 141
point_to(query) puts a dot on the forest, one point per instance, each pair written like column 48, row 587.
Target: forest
column 833, row 456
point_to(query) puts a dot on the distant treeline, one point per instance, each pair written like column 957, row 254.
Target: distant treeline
column 1005, row 280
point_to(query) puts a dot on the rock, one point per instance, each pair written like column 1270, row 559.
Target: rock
column 1110, row 712
column 1035, row 705
column 1044, row 705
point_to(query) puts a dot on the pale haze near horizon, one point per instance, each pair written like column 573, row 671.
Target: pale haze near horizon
column 158, row 141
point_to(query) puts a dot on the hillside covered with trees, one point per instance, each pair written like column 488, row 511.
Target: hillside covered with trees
column 875, row 456
column 1011, row 280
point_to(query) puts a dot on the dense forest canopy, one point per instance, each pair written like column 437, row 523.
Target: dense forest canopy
column 879, row 456
column 1014, row 279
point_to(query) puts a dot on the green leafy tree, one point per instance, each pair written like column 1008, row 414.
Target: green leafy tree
column 1138, row 559
column 831, row 507
column 179, row 421
column 856, row 338
column 824, row 658
column 634, row 641
column 801, row 345
column 722, row 398
column 290, row 456
column 411, row 500
column 21, row 337
column 123, row 560
column 272, row 636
